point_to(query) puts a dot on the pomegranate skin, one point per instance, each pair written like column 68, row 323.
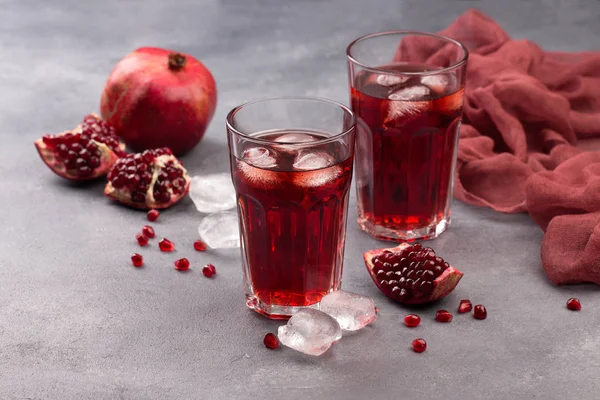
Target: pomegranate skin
column 159, row 98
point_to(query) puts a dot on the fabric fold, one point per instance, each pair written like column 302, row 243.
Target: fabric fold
column 528, row 117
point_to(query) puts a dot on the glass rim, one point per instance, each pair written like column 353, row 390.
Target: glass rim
column 447, row 39
column 333, row 138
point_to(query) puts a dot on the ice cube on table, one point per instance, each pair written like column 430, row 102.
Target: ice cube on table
column 260, row 157
column 220, row 230
column 307, row 160
column 352, row 311
column 310, row 331
column 213, row 192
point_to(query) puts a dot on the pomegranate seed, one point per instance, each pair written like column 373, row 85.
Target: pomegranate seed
column 465, row 306
column 199, row 245
column 419, row 345
column 479, row 312
column 271, row 341
column 209, row 270
column 182, row 264
column 166, row 245
column 148, row 231
column 137, row 260
column 573, row 304
column 142, row 239
column 153, row 215
column 412, row 320
column 443, row 316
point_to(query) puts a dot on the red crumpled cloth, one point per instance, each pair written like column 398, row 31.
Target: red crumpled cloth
column 526, row 143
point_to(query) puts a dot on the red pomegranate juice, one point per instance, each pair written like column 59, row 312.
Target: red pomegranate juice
column 292, row 206
column 405, row 151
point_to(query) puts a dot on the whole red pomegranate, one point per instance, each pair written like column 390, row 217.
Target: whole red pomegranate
column 159, row 98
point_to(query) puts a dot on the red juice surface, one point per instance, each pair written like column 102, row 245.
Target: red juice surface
column 292, row 205
column 405, row 149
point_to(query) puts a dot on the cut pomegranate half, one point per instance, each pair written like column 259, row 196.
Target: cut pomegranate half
column 411, row 274
column 84, row 153
column 149, row 180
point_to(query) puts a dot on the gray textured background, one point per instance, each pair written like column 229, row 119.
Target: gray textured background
column 78, row 322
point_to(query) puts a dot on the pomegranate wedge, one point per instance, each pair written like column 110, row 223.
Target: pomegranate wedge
column 411, row 274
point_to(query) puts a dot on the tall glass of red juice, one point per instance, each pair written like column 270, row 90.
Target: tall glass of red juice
column 291, row 164
column 406, row 90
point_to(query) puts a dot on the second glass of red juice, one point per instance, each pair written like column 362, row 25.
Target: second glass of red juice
column 291, row 164
column 407, row 92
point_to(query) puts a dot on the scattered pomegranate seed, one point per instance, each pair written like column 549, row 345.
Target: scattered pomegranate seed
column 183, row 264
column 199, row 245
column 574, row 304
column 479, row 312
column 443, row 316
column 419, row 345
column 465, row 306
column 166, row 245
column 142, row 239
column 148, row 231
column 412, row 320
column 209, row 270
column 271, row 341
column 137, row 260
column 153, row 215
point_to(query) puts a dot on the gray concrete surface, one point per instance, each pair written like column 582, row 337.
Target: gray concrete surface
column 78, row 322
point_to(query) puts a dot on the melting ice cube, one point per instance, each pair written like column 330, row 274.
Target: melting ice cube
column 213, row 192
column 310, row 331
column 407, row 101
column 296, row 137
column 318, row 167
column 220, row 230
column 391, row 80
column 307, row 160
column 439, row 84
column 411, row 93
column 260, row 157
column 352, row 311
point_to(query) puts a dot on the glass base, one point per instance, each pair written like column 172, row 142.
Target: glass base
column 427, row 233
column 274, row 311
